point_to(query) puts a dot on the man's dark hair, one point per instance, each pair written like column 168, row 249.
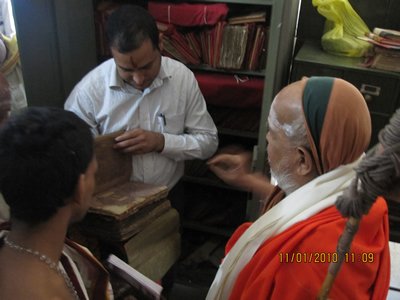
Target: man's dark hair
column 129, row 26
column 43, row 151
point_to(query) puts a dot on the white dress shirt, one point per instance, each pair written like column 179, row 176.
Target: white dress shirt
column 172, row 105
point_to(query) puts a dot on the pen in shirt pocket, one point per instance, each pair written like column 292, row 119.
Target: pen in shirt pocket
column 162, row 121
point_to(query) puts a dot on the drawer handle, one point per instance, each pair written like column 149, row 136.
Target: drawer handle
column 367, row 98
column 371, row 90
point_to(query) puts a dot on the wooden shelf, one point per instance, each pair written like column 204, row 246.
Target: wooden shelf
column 260, row 73
column 226, row 232
column 251, row 2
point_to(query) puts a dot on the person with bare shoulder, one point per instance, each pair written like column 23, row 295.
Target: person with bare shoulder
column 47, row 179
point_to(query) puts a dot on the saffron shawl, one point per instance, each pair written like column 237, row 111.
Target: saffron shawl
column 338, row 130
column 300, row 205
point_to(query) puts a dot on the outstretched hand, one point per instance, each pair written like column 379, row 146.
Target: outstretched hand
column 235, row 169
column 140, row 141
column 231, row 168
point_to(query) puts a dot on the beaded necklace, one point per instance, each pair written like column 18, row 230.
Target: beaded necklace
column 48, row 261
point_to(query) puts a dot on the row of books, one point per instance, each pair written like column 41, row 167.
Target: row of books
column 226, row 45
column 238, row 43
column 385, row 54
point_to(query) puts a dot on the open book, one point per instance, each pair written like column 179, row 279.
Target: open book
column 145, row 287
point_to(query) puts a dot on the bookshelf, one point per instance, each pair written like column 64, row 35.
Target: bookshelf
column 64, row 50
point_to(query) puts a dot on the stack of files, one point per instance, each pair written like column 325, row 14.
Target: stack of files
column 177, row 46
column 157, row 247
column 256, row 47
column 386, row 50
column 385, row 38
column 120, row 213
column 244, row 42
column 386, row 60
column 211, row 39
column 134, row 217
column 120, row 208
column 257, row 50
column 252, row 17
column 233, row 49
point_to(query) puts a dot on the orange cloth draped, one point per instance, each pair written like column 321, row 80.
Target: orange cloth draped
column 268, row 275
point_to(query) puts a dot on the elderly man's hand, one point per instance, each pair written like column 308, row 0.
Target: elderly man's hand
column 139, row 141
column 231, row 168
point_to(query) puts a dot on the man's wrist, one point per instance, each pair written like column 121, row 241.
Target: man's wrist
column 160, row 142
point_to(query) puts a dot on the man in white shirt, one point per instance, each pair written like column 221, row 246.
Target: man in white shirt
column 154, row 98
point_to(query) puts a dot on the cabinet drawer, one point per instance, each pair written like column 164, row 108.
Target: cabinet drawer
column 379, row 92
column 301, row 69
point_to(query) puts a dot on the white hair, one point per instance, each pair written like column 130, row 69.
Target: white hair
column 295, row 131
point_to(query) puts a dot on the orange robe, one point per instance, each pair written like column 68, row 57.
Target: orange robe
column 310, row 244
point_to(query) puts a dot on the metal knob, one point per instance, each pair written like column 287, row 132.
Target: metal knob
column 368, row 98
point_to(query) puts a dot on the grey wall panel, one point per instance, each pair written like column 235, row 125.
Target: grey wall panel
column 56, row 42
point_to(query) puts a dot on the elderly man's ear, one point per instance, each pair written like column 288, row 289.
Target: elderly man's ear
column 305, row 162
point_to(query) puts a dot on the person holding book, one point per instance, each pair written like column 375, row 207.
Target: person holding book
column 47, row 178
column 314, row 143
column 155, row 99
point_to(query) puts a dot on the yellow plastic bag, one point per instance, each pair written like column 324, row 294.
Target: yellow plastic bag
column 342, row 27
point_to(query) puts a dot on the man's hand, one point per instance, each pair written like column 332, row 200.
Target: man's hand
column 234, row 169
column 231, row 168
column 139, row 141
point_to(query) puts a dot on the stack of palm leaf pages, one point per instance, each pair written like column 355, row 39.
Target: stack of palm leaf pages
column 133, row 215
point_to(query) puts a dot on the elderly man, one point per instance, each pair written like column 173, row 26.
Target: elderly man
column 318, row 130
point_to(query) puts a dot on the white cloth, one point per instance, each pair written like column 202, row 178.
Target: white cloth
column 7, row 26
column 300, row 205
column 17, row 89
column 108, row 104
column 4, row 210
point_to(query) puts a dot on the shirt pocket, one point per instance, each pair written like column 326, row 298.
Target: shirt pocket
column 174, row 124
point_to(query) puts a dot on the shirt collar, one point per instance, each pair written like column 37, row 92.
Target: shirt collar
column 115, row 80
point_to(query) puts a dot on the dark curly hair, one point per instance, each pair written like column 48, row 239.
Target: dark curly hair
column 43, row 151
column 129, row 26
